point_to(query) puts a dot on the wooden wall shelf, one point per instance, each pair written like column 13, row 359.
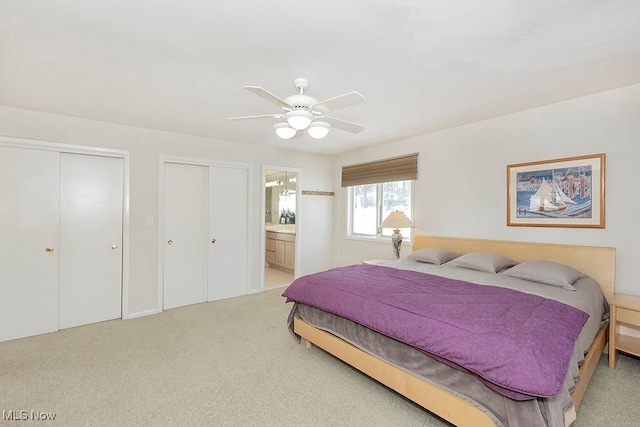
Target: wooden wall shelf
column 317, row 193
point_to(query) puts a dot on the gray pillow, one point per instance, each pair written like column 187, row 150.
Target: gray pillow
column 482, row 261
column 546, row 272
column 435, row 256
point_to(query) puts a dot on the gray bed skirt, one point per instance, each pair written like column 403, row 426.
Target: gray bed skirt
column 557, row 411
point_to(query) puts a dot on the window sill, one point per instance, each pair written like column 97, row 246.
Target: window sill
column 385, row 240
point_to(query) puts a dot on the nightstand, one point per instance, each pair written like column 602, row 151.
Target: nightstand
column 625, row 310
column 375, row 261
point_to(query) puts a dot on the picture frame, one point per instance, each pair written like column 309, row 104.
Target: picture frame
column 565, row 192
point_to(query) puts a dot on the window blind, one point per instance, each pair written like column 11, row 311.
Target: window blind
column 387, row 170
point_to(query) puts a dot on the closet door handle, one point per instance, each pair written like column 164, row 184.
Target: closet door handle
column 169, row 242
column 48, row 249
column 213, row 240
column 114, row 247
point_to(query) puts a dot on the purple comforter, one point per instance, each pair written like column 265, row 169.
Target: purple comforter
column 519, row 344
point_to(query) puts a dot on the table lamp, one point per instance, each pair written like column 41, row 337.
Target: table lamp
column 396, row 220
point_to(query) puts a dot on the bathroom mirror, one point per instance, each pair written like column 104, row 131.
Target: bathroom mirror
column 280, row 197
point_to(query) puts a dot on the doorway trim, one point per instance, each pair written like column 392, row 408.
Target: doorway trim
column 263, row 233
column 33, row 144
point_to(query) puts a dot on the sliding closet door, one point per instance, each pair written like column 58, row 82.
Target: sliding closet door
column 229, row 256
column 91, row 198
column 29, row 249
column 186, row 190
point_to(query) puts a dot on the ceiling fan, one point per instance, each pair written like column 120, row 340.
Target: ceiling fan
column 302, row 112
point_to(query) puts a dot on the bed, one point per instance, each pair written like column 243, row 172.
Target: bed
column 449, row 390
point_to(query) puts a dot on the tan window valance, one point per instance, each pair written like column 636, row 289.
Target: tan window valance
column 387, row 170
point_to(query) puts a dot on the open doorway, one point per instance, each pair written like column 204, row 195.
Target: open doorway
column 281, row 217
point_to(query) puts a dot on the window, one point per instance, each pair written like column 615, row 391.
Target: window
column 370, row 204
column 375, row 189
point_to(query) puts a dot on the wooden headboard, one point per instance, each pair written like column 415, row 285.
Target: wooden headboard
column 599, row 262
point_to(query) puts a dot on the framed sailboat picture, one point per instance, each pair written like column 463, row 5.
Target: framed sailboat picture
column 566, row 192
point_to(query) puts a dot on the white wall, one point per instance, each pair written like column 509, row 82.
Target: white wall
column 461, row 187
column 145, row 147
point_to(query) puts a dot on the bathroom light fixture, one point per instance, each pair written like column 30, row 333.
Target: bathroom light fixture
column 277, row 183
column 396, row 220
column 284, row 131
column 319, row 130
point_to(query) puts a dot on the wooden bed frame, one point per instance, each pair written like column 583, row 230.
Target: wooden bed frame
column 595, row 261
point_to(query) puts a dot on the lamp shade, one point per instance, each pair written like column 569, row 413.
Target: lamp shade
column 319, row 130
column 396, row 219
column 284, row 131
column 299, row 119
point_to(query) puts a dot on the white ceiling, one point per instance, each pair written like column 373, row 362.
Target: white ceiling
column 422, row 65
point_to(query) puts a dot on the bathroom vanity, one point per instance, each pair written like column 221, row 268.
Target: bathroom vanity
column 280, row 247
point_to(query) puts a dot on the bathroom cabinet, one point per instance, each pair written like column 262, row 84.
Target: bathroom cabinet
column 280, row 250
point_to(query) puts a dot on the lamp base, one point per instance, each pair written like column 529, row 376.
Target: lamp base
column 396, row 240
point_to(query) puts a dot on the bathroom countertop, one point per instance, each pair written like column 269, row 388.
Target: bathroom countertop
column 281, row 228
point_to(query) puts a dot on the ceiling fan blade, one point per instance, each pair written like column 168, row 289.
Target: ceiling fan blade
column 346, row 100
column 261, row 116
column 269, row 96
column 344, row 125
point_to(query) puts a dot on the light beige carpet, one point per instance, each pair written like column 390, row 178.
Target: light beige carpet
column 228, row 363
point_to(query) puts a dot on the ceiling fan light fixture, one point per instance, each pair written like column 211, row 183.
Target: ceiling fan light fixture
column 301, row 111
column 319, row 130
column 299, row 119
column 284, row 131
